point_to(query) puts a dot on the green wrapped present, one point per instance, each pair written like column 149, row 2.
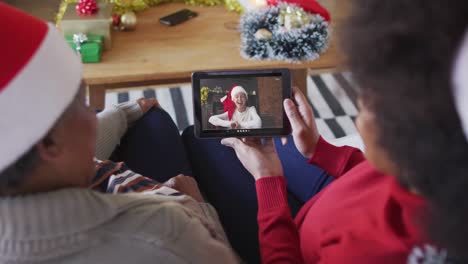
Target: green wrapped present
column 89, row 46
column 98, row 24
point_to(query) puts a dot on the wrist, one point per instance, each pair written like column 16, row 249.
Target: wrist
column 268, row 175
column 132, row 111
column 268, row 170
column 271, row 193
column 312, row 148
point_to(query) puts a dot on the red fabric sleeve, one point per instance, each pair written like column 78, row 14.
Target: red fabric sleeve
column 335, row 160
column 279, row 238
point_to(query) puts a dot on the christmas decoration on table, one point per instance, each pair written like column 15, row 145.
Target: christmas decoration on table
column 293, row 31
column 123, row 6
column 115, row 20
column 127, row 21
column 88, row 46
column 96, row 24
column 87, row 7
column 263, row 34
column 245, row 5
column 234, row 5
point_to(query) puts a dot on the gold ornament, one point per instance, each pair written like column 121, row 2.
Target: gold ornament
column 293, row 17
column 234, row 5
column 128, row 21
column 123, row 6
column 263, row 33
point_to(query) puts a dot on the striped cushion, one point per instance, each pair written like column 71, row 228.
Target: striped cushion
column 332, row 95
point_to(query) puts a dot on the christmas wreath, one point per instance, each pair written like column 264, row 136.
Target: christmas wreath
column 283, row 31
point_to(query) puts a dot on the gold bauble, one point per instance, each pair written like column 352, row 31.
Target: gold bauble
column 263, row 33
column 128, row 21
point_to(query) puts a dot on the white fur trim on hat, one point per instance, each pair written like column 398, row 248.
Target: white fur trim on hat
column 460, row 88
column 238, row 89
column 37, row 96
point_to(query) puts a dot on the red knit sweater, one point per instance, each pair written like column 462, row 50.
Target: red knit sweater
column 361, row 217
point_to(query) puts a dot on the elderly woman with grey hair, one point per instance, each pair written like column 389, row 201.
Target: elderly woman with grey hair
column 48, row 213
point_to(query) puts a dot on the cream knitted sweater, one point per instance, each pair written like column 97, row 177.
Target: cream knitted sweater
column 84, row 226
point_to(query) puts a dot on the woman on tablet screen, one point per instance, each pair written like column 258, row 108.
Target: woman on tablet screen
column 236, row 112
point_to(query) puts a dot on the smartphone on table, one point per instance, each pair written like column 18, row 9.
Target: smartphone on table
column 178, row 17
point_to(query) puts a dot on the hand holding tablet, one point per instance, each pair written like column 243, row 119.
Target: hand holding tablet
column 245, row 103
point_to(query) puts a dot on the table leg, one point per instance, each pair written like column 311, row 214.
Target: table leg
column 97, row 97
column 299, row 79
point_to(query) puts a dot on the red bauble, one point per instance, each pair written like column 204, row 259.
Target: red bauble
column 115, row 20
column 87, row 7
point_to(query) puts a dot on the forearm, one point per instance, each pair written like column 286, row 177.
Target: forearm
column 256, row 123
column 335, row 160
column 112, row 125
column 216, row 121
column 278, row 235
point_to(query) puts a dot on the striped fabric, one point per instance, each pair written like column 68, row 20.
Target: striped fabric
column 115, row 177
column 332, row 95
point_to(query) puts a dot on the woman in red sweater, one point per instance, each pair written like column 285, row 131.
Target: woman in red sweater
column 406, row 200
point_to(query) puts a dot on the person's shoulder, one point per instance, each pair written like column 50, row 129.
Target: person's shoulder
column 251, row 109
column 130, row 225
column 145, row 216
column 133, row 202
column 143, row 229
column 167, row 229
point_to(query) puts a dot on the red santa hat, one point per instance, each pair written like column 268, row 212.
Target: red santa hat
column 39, row 77
column 228, row 100
column 311, row 6
column 460, row 87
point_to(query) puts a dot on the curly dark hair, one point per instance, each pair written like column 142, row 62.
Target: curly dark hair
column 401, row 53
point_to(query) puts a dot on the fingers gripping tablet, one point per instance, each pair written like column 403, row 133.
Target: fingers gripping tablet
column 246, row 103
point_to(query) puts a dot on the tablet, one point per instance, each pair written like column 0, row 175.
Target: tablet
column 247, row 103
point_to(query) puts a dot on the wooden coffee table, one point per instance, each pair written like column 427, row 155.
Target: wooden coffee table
column 156, row 54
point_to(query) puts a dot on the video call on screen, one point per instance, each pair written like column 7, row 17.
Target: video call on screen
column 263, row 93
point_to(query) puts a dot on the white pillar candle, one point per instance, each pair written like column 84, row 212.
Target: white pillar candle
column 260, row 3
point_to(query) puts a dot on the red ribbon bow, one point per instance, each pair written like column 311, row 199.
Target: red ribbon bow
column 87, row 7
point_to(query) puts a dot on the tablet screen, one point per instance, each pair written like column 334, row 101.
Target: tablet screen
column 240, row 103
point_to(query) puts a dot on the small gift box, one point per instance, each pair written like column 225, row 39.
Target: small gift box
column 89, row 46
column 98, row 24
